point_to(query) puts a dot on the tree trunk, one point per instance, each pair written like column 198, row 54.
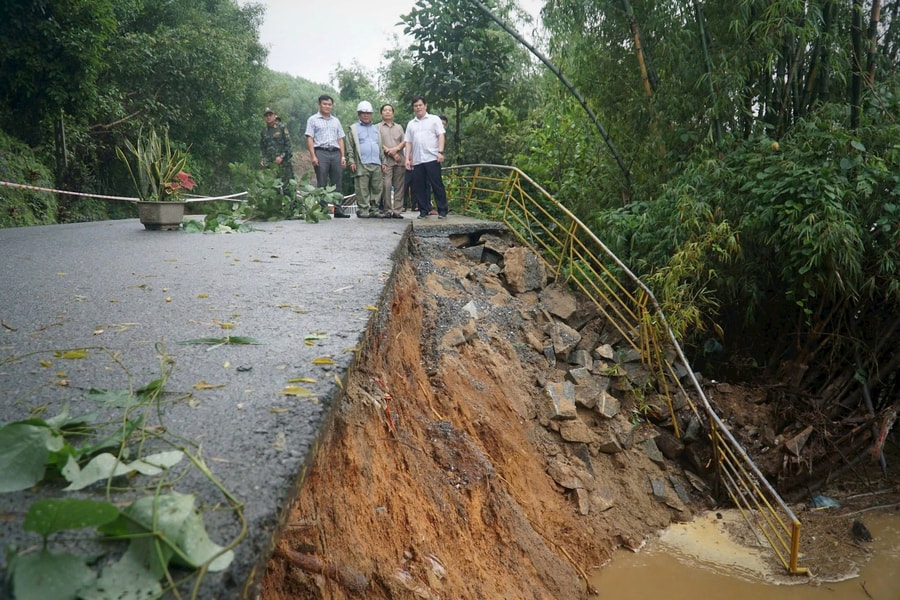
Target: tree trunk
column 716, row 124
column 873, row 42
column 856, row 64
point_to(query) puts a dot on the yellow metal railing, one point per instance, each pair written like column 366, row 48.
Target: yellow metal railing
column 575, row 255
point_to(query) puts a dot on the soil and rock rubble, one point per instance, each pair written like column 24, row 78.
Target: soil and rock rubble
column 485, row 447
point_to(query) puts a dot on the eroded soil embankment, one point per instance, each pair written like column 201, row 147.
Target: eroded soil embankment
column 433, row 481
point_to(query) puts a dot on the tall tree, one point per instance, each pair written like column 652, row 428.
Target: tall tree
column 52, row 53
column 193, row 67
column 461, row 59
column 772, row 210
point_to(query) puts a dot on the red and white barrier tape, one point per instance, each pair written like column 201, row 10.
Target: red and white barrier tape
column 42, row 189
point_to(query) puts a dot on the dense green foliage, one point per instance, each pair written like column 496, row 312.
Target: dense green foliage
column 760, row 138
column 78, row 78
column 18, row 206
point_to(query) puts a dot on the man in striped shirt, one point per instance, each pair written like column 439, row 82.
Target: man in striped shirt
column 325, row 141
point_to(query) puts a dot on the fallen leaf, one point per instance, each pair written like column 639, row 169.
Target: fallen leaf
column 370, row 307
column 202, row 385
column 221, row 341
column 322, row 360
column 45, row 363
column 226, row 325
column 301, row 380
column 71, row 354
column 203, row 295
column 296, row 390
column 278, row 410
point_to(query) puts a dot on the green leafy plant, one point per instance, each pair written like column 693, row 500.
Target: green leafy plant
column 156, row 532
column 220, row 222
column 19, row 206
column 160, row 530
column 156, row 167
column 312, row 204
column 266, row 200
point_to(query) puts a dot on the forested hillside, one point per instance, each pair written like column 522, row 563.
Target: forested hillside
column 742, row 157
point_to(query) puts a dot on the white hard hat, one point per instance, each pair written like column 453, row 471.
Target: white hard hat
column 364, row 106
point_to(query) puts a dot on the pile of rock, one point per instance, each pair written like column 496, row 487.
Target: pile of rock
column 596, row 394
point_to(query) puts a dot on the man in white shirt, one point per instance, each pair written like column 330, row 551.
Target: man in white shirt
column 424, row 154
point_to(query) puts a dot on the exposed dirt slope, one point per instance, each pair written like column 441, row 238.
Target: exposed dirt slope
column 449, row 496
column 434, row 481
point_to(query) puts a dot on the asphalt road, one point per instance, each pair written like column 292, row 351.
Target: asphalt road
column 128, row 296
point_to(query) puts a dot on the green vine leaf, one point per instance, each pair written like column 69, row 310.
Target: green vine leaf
column 112, row 398
column 72, row 354
column 46, row 517
column 24, row 449
column 105, row 466
column 178, row 530
column 44, row 575
column 126, row 579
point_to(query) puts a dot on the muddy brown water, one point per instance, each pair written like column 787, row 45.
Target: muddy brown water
column 692, row 561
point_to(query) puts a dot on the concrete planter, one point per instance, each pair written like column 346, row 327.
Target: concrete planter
column 161, row 215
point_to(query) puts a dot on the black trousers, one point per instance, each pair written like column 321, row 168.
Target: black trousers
column 427, row 175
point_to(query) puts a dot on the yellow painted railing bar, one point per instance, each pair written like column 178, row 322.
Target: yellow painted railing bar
column 745, row 508
column 776, row 541
column 568, row 247
column 794, row 568
column 587, row 254
column 767, row 514
column 616, row 318
column 629, row 315
column 654, row 350
column 765, row 509
column 609, row 295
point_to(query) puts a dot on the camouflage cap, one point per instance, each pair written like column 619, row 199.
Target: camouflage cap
column 268, row 111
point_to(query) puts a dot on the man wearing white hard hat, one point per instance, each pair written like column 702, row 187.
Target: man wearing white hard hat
column 365, row 157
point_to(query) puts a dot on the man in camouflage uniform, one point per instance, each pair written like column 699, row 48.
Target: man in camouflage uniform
column 275, row 148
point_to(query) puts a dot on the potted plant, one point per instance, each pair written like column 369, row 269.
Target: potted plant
column 157, row 171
